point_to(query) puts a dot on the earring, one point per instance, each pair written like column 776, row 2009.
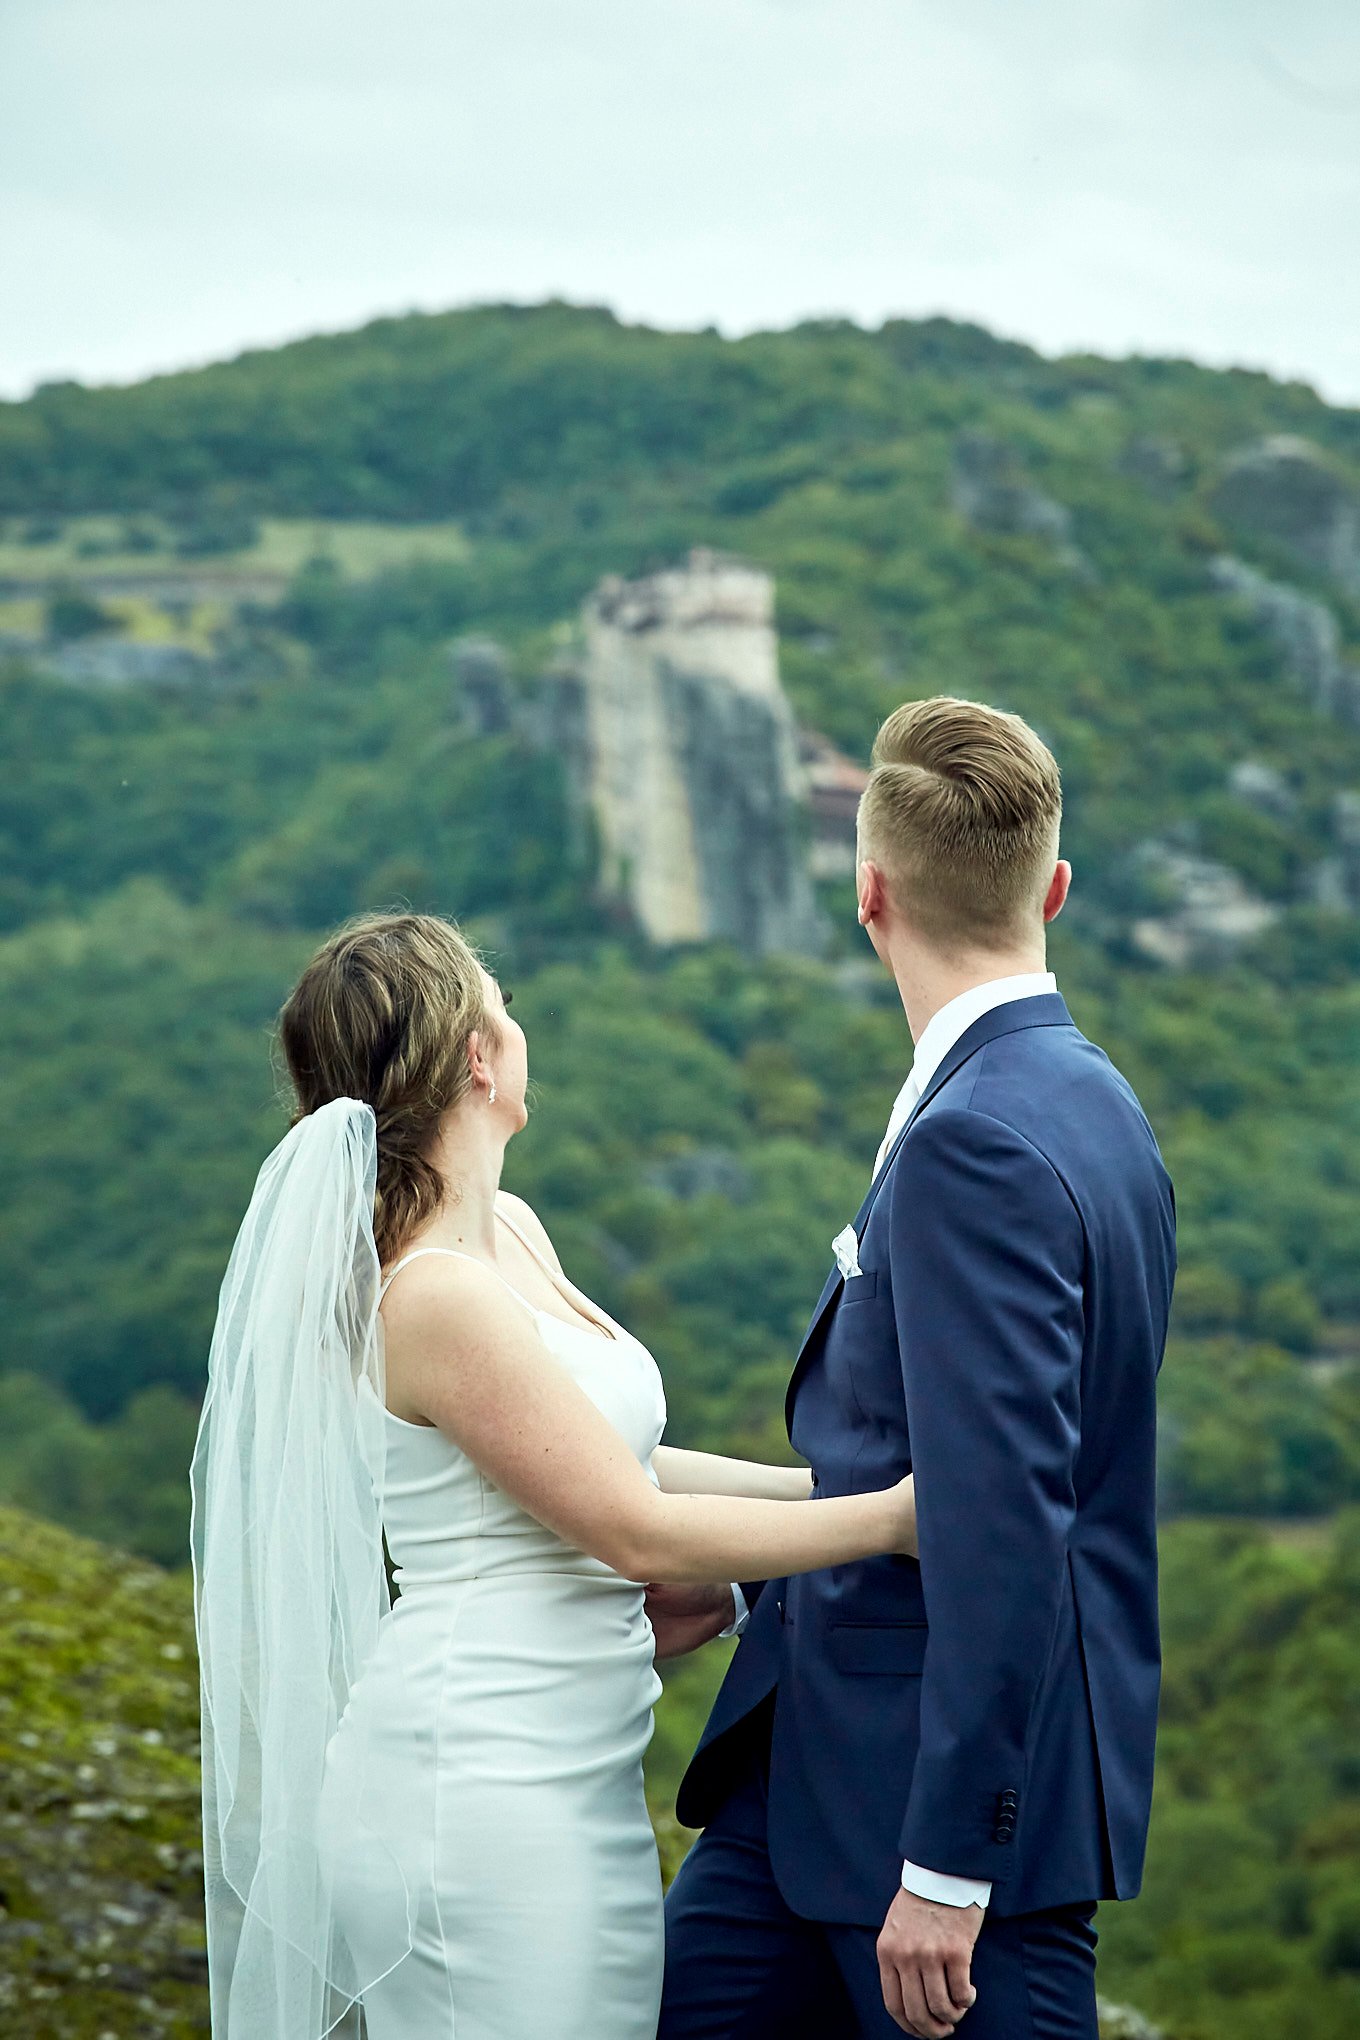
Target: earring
column 491, row 1094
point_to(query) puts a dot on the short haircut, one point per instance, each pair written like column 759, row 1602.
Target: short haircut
column 961, row 813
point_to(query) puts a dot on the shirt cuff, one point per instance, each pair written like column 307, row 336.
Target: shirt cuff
column 941, row 1889
column 742, row 1615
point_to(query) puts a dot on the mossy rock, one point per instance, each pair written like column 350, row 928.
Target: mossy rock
column 101, row 1897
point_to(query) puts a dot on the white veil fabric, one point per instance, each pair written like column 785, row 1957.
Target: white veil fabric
column 290, row 1589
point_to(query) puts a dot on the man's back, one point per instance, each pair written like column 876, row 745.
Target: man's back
column 919, row 1362
column 1064, row 1096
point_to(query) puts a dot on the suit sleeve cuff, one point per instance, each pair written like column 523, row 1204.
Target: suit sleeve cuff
column 742, row 1615
column 941, row 1889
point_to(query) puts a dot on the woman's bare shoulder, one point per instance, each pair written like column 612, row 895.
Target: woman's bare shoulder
column 430, row 1281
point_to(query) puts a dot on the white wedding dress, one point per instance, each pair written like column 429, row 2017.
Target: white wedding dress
column 495, row 1743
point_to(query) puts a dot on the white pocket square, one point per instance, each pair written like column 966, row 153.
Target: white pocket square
column 845, row 1247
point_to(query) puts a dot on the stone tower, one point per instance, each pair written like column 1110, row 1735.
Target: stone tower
column 679, row 739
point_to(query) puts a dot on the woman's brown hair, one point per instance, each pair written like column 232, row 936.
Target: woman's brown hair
column 383, row 1013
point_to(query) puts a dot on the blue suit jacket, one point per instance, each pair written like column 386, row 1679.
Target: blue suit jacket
column 991, row 1710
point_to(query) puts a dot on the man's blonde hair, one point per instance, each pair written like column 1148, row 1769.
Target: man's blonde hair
column 961, row 813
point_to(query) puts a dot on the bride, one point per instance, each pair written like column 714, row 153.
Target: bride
column 435, row 1807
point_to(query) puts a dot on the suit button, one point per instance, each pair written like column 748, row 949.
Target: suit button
column 780, row 1606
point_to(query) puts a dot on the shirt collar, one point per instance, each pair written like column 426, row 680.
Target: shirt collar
column 954, row 1020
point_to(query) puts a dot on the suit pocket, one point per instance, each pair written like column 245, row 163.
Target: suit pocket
column 856, row 1288
column 891, row 1647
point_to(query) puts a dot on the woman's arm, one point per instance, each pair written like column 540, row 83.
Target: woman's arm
column 471, row 1360
column 709, row 1473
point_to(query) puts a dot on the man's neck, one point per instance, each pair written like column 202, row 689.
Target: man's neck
column 927, row 983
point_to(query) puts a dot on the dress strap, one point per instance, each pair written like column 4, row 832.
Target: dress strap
column 559, row 1281
column 457, row 1255
column 524, row 1240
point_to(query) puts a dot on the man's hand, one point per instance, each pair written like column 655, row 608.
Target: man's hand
column 925, row 1954
column 685, row 1617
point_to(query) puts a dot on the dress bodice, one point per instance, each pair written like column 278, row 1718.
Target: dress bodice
column 484, row 1803
column 445, row 1520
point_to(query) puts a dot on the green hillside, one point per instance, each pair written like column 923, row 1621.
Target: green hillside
column 942, row 511
column 232, row 715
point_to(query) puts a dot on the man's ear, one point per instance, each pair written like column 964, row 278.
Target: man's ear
column 872, row 894
column 1058, row 888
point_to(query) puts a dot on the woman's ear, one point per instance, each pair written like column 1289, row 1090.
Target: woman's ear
column 477, row 1063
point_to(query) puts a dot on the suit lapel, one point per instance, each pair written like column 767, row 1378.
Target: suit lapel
column 1045, row 1009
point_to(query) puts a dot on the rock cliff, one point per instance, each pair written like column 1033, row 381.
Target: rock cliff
column 682, row 749
column 1284, row 492
column 1304, row 632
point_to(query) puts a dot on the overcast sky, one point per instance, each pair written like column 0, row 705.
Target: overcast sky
column 183, row 178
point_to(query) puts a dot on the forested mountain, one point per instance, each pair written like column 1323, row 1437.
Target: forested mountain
column 232, row 711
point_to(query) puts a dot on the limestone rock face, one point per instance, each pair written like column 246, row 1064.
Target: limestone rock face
column 1304, row 631
column 1210, row 913
column 679, row 739
column 481, row 674
column 991, row 491
column 1285, row 492
column 1158, row 462
column 1335, row 883
column 1264, row 788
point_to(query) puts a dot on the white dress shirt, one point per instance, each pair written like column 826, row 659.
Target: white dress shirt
column 946, row 1027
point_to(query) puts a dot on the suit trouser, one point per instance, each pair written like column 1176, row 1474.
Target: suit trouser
column 741, row 1965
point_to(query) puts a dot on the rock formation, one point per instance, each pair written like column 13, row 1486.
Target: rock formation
column 990, row 491
column 483, row 697
column 682, row 748
column 1303, row 630
column 1285, row 493
column 1210, row 913
column 1335, row 882
column 1160, row 463
column 1264, row 788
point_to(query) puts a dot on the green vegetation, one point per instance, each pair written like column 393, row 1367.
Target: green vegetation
column 324, row 519
column 101, row 1865
column 1249, row 1922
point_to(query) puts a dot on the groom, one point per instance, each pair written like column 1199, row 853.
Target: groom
column 918, row 1778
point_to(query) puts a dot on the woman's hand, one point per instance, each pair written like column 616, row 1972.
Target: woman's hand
column 904, row 1495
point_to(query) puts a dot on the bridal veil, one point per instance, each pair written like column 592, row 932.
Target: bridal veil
column 290, row 1589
